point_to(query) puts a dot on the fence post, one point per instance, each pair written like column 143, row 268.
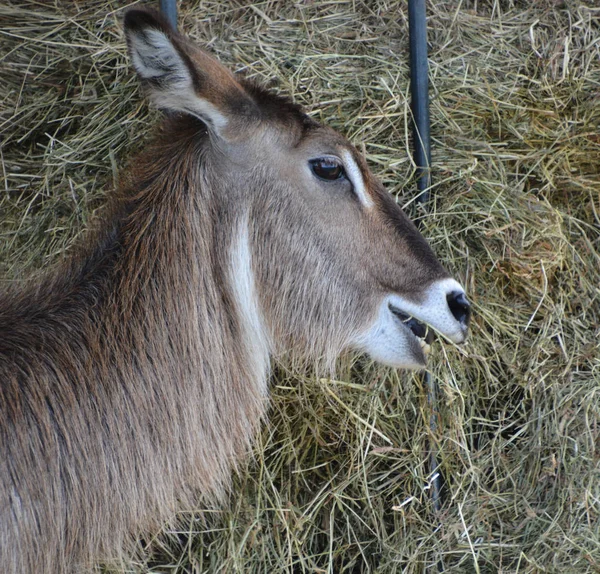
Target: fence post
column 419, row 88
column 169, row 10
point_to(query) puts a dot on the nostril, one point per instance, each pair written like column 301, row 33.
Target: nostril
column 459, row 307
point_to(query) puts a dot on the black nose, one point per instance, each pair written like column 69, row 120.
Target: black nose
column 460, row 307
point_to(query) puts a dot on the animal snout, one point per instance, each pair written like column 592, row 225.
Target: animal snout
column 459, row 307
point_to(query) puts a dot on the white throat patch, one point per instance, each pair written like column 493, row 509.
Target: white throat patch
column 255, row 335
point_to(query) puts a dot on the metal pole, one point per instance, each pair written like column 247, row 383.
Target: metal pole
column 169, row 10
column 419, row 88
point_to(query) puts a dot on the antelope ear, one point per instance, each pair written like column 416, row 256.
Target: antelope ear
column 178, row 76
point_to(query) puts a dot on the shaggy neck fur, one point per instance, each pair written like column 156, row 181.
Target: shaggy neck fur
column 157, row 323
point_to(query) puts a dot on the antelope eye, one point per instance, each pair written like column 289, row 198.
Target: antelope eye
column 327, row 168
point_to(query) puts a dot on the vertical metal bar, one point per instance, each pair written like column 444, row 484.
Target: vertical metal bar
column 169, row 10
column 419, row 88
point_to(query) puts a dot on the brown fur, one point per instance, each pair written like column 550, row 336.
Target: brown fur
column 129, row 382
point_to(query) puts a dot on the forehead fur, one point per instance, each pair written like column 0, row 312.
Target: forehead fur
column 278, row 108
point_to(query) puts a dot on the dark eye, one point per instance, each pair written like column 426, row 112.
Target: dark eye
column 327, row 168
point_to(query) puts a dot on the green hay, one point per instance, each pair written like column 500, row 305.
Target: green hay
column 339, row 482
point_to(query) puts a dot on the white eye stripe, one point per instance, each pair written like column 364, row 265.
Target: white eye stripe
column 355, row 176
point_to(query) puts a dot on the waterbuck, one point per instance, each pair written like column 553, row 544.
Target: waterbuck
column 135, row 374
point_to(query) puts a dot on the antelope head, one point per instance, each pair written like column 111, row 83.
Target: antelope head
column 321, row 259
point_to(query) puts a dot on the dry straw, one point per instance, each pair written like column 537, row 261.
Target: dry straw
column 339, row 482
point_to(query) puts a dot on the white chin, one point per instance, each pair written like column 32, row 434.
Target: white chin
column 398, row 360
column 388, row 342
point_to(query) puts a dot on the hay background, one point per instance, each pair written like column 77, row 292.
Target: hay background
column 339, row 483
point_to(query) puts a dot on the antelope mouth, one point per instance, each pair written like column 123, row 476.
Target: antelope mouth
column 401, row 333
column 419, row 330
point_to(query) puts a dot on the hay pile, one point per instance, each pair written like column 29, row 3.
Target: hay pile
column 340, row 482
